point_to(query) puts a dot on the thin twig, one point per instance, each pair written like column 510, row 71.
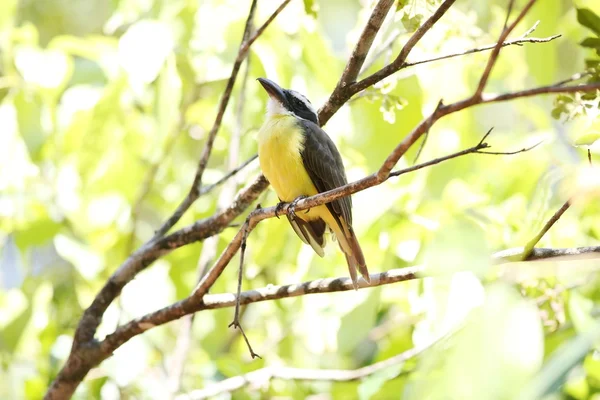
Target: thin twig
column 574, row 77
column 385, row 47
column 352, row 69
column 477, row 149
column 209, row 248
column 195, row 189
column 496, row 51
column 340, row 97
column 262, row 376
column 511, row 3
column 227, row 176
column 87, row 352
column 147, row 185
column 540, row 253
column 421, row 147
column 364, row 43
column 518, row 42
column 236, row 316
column 191, row 303
column 531, row 244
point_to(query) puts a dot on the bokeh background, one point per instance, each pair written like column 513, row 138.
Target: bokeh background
column 104, row 110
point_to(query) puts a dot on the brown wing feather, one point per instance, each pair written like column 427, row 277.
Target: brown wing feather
column 325, row 168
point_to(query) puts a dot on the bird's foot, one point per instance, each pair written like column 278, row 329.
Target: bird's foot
column 292, row 207
column 279, row 208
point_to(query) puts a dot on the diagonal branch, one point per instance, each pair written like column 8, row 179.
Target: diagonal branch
column 364, row 43
column 227, row 176
column 86, row 352
column 343, row 93
column 496, row 52
column 194, row 192
column 194, row 301
column 340, row 94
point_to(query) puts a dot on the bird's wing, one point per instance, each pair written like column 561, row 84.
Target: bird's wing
column 325, row 168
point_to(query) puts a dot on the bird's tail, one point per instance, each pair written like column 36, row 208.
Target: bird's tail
column 354, row 255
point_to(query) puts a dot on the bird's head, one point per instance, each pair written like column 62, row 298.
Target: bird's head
column 285, row 101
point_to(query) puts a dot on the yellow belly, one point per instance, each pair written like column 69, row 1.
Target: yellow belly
column 280, row 142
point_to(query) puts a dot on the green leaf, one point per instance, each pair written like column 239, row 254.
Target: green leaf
column 412, row 22
column 310, row 8
column 358, row 323
column 29, row 116
column 589, row 19
column 12, row 332
column 591, row 42
column 580, row 310
column 588, row 139
column 373, row 383
column 459, row 245
column 560, row 363
column 168, row 98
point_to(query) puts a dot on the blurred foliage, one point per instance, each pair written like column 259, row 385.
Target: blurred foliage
column 584, row 104
column 99, row 97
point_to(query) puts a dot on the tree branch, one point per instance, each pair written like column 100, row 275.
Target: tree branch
column 335, row 102
column 496, row 51
column 86, row 351
column 342, row 284
column 229, row 175
column 516, row 254
column 194, row 303
column 185, row 306
column 519, row 42
column 194, row 192
column 531, row 244
column 339, row 95
column 262, row 376
column 363, row 45
column 197, row 300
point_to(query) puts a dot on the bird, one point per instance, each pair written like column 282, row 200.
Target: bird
column 299, row 159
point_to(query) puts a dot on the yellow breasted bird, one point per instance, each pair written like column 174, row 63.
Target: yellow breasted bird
column 299, row 159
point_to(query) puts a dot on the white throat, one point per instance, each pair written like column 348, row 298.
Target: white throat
column 274, row 107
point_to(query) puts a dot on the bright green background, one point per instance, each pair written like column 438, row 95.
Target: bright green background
column 98, row 96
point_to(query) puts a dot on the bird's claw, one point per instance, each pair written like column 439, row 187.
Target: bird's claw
column 292, row 207
column 279, row 208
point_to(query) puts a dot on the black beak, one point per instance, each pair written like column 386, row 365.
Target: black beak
column 274, row 90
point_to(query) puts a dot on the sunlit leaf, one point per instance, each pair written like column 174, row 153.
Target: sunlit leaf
column 29, row 116
column 310, row 8
column 497, row 351
column 144, row 48
column 580, row 310
column 358, row 322
column 16, row 315
column 589, row 19
column 49, row 69
column 591, row 42
column 373, row 384
column 558, row 366
column 589, row 139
